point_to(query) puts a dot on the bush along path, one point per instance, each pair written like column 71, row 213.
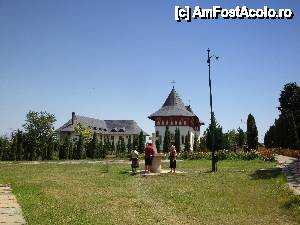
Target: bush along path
column 290, row 168
column 10, row 210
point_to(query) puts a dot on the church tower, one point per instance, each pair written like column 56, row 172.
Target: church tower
column 175, row 114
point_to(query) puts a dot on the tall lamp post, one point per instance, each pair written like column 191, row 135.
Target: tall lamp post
column 213, row 158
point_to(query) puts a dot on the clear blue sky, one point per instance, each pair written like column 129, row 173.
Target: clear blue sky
column 115, row 60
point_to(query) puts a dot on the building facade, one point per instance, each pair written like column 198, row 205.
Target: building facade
column 112, row 129
column 175, row 114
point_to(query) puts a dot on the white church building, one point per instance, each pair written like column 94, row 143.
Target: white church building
column 175, row 114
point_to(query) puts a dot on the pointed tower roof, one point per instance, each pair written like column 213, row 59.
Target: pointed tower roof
column 173, row 106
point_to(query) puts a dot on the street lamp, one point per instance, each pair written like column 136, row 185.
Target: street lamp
column 213, row 158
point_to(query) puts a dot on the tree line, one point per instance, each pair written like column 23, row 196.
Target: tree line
column 285, row 132
column 231, row 140
column 39, row 141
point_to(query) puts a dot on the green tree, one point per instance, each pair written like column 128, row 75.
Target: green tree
column 5, row 148
column 177, row 139
column 135, row 142
column 157, row 141
column 84, row 131
column 13, row 149
column 196, row 144
column 167, row 140
column 214, row 135
column 141, row 145
column 50, row 148
column 290, row 103
column 79, row 151
column 129, row 144
column 269, row 139
column 92, row 147
column 20, row 149
column 64, row 149
column 240, row 138
column 252, row 133
column 187, row 142
column 39, row 127
column 122, row 145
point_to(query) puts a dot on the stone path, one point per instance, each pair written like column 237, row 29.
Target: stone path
column 290, row 168
column 10, row 210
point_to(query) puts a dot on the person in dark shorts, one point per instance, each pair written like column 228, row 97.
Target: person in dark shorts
column 149, row 152
column 172, row 157
column 134, row 160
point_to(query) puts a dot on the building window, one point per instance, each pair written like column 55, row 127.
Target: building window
column 162, row 123
column 184, row 123
column 180, row 122
column 182, row 139
column 112, row 137
column 158, row 123
column 175, row 122
column 167, row 122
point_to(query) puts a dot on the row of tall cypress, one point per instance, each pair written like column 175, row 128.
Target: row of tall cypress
column 285, row 132
column 38, row 141
column 230, row 140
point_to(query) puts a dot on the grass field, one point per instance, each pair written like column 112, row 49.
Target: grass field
column 240, row 193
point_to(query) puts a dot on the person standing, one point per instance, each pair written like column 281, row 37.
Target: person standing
column 172, row 157
column 134, row 160
column 149, row 152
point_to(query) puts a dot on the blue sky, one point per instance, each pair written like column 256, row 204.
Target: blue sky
column 116, row 59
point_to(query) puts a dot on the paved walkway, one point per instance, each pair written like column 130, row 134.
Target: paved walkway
column 10, row 210
column 290, row 168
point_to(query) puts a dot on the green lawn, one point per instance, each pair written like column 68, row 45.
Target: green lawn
column 86, row 193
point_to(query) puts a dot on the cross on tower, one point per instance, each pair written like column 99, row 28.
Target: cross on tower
column 173, row 82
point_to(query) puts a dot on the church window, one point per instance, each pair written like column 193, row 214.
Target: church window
column 175, row 122
column 182, row 139
column 180, row 122
column 184, row 123
column 162, row 123
column 171, row 122
column 167, row 122
column 158, row 123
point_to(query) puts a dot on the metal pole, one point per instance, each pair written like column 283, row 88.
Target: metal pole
column 213, row 158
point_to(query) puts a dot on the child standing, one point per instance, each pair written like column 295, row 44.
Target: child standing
column 172, row 157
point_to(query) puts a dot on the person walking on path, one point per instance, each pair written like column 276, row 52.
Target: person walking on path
column 172, row 158
column 134, row 160
column 149, row 152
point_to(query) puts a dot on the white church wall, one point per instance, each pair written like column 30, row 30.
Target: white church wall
column 183, row 132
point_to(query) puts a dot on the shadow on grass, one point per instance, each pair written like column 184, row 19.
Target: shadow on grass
column 268, row 173
column 294, row 202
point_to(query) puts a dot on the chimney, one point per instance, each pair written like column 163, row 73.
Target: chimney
column 73, row 117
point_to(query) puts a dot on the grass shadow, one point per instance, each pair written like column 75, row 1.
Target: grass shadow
column 268, row 173
column 295, row 201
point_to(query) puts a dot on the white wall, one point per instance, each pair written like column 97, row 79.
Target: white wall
column 183, row 132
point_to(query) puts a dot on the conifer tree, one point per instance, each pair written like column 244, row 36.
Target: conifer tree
column 196, row 145
column 122, row 145
column 129, row 144
column 20, row 150
column 64, row 149
column 79, row 151
column 141, row 140
column 240, row 138
column 252, row 133
column 214, row 135
column 135, row 142
column 50, row 148
column 157, row 141
column 177, row 139
column 92, row 147
column 187, row 143
column 167, row 140
column 13, row 149
column 5, row 149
